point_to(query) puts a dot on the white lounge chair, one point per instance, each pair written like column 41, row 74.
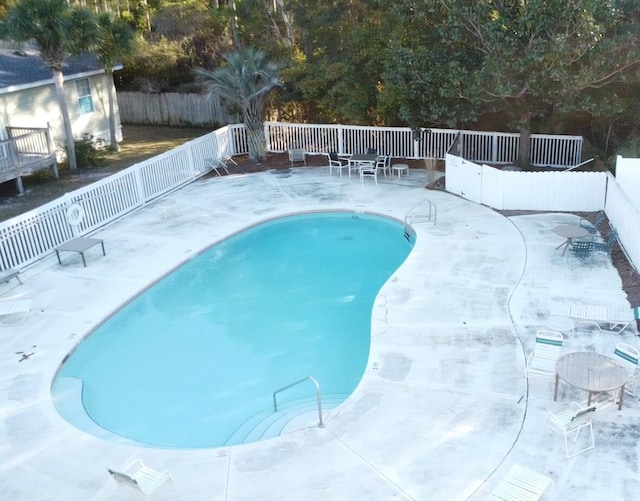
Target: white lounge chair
column 542, row 361
column 7, row 275
column 141, row 479
column 14, row 311
column 616, row 319
column 521, row 484
column 571, row 423
column 629, row 356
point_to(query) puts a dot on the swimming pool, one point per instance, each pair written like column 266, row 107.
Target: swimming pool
column 194, row 360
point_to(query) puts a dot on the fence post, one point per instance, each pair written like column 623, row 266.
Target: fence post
column 340, row 129
column 494, row 147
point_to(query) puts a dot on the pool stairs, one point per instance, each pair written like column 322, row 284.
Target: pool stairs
column 292, row 415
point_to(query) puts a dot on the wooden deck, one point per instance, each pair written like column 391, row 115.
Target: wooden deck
column 26, row 151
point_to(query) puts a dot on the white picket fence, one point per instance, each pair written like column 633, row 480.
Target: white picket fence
column 498, row 148
column 35, row 234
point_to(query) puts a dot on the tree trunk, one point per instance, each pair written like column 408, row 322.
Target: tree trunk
column 256, row 141
column 523, row 149
column 113, row 140
column 64, row 109
column 234, row 25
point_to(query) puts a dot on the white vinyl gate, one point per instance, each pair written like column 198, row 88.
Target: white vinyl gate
column 463, row 178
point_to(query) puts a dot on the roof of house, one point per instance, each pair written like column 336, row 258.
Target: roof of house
column 23, row 69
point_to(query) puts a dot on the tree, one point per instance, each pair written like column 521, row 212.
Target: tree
column 245, row 83
column 527, row 62
column 59, row 31
column 115, row 40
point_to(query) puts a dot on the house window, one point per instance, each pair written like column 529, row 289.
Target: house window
column 85, row 101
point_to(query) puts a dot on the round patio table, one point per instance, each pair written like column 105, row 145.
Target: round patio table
column 593, row 372
column 569, row 232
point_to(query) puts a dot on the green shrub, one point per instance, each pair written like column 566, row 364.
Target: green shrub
column 90, row 152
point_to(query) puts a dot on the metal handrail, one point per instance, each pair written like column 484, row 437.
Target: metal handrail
column 317, row 385
column 413, row 214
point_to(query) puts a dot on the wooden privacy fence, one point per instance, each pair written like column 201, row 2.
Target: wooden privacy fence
column 498, row 148
column 194, row 110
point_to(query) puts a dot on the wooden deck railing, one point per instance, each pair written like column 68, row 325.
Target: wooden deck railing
column 27, row 150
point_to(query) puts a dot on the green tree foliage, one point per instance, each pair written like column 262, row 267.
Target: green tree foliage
column 244, row 83
column 59, row 31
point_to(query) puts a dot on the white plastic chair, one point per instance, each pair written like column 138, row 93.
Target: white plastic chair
column 297, row 155
column 542, row 361
column 571, row 423
column 137, row 477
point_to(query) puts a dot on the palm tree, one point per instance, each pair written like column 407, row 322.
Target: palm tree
column 245, row 82
column 115, row 40
column 59, row 31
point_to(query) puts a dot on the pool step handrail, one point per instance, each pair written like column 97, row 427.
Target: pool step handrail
column 423, row 211
column 315, row 383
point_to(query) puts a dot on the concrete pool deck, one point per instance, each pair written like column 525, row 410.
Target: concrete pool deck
column 443, row 409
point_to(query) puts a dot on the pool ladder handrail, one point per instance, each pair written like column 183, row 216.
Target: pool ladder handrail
column 428, row 211
column 316, row 384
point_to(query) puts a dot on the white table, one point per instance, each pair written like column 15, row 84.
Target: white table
column 400, row 168
column 593, row 372
column 561, row 324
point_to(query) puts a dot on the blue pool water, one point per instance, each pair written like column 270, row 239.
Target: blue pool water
column 196, row 357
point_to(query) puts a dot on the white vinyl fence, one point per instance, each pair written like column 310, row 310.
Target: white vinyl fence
column 623, row 206
column 507, row 190
column 556, row 191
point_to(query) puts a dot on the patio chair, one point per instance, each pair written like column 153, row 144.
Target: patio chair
column 600, row 245
column 628, row 355
column 220, row 163
column 369, row 170
column 521, row 483
column 384, row 164
column 593, row 228
column 571, row 423
column 141, row 479
column 581, row 250
column 14, row 311
column 297, row 155
column 336, row 162
column 542, row 361
column 617, row 319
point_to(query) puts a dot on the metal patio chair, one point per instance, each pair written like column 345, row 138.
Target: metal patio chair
column 571, row 423
column 297, row 155
column 593, row 228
